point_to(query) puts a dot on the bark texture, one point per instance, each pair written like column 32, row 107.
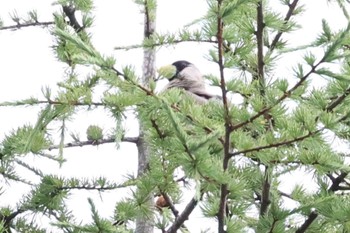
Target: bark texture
column 145, row 225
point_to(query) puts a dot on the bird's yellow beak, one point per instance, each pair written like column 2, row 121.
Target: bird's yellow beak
column 167, row 72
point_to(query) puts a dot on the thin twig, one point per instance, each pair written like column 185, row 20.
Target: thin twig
column 84, row 187
column 137, row 46
column 94, row 142
column 273, row 225
column 59, row 219
column 32, row 169
column 160, row 133
column 146, row 90
column 51, row 102
column 14, row 178
column 338, row 100
column 289, row 14
column 75, row 103
column 23, row 25
column 273, row 145
column 286, row 195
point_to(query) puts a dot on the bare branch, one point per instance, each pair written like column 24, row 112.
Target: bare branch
column 260, row 45
column 183, row 216
column 94, row 142
column 312, row 216
column 344, row 188
column 30, row 102
column 285, row 195
column 171, row 204
column 331, row 177
column 157, row 44
column 265, row 194
column 289, row 14
column 69, row 11
column 23, row 25
column 273, row 225
column 338, row 100
column 337, row 181
column 96, row 188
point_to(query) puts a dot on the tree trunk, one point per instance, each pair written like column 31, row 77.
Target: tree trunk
column 144, row 225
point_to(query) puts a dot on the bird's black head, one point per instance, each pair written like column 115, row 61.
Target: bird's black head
column 180, row 65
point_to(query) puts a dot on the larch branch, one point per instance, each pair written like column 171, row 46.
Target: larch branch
column 93, row 142
column 69, row 11
column 273, row 145
column 260, row 44
column 337, row 181
column 279, row 100
column 334, row 187
column 312, row 216
column 226, row 157
column 183, row 216
column 23, row 25
column 338, row 100
column 158, row 44
column 265, row 194
column 289, row 14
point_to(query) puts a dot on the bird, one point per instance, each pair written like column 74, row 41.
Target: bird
column 185, row 75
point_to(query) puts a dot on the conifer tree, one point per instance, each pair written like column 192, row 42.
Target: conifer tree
column 231, row 156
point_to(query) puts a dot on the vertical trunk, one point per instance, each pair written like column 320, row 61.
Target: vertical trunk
column 144, row 225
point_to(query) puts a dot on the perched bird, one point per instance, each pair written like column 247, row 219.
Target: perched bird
column 184, row 75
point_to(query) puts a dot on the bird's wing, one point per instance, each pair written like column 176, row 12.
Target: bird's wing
column 202, row 93
column 202, row 96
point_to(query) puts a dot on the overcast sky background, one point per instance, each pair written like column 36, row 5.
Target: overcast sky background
column 28, row 64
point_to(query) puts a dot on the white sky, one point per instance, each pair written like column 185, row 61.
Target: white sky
column 27, row 64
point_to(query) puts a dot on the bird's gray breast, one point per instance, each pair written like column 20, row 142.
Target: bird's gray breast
column 191, row 80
